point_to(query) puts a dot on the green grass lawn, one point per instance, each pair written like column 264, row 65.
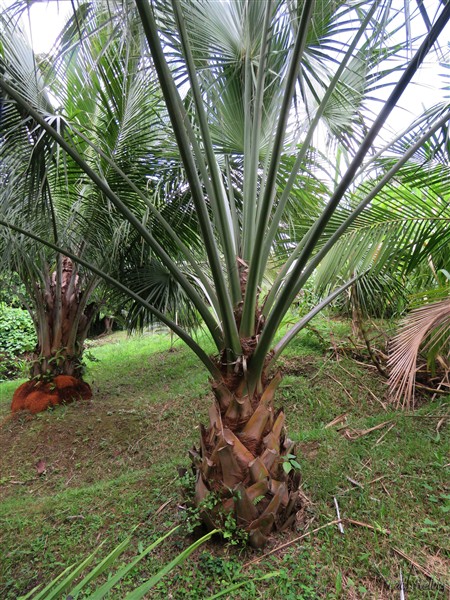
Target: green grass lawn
column 111, row 464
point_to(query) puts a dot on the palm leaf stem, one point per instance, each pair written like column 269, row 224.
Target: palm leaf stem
column 248, row 311
column 278, row 214
column 232, row 201
column 56, row 342
column 218, row 198
column 40, row 318
column 252, row 137
column 179, row 124
column 75, row 273
column 288, row 337
column 291, row 286
column 423, row 119
column 364, row 203
column 126, row 212
column 187, row 339
column 74, row 331
column 248, row 221
column 258, row 163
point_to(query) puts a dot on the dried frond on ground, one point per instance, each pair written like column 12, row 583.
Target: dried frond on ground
column 427, row 327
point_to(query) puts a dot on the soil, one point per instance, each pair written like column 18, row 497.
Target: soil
column 37, row 396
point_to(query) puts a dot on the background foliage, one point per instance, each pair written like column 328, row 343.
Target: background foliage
column 17, row 336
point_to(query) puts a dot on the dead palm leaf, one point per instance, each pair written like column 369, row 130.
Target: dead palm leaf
column 429, row 324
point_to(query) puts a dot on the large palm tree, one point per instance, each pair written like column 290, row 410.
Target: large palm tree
column 246, row 85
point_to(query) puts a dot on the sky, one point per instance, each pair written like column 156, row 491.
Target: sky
column 44, row 20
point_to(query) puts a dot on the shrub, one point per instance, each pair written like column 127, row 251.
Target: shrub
column 17, row 337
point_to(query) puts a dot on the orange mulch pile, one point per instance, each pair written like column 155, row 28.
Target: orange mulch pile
column 38, row 396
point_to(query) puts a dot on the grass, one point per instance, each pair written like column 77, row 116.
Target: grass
column 111, row 464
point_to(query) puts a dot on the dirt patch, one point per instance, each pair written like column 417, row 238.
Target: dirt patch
column 299, row 367
column 106, row 338
column 440, row 566
column 308, row 450
column 91, row 441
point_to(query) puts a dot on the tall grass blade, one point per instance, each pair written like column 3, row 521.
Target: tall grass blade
column 106, row 587
column 236, row 586
column 47, row 587
column 55, row 593
column 140, row 592
column 102, row 566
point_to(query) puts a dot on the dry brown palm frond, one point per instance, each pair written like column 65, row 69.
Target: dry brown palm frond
column 429, row 324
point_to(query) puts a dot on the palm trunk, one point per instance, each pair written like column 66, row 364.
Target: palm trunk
column 245, row 458
column 64, row 320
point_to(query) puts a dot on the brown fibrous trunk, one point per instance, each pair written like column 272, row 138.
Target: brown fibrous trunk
column 62, row 320
column 244, row 458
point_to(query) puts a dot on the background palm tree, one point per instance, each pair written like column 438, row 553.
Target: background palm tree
column 403, row 240
column 244, row 84
column 43, row 187
column 58, row 293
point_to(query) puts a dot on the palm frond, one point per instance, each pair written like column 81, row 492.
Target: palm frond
column 427, row 327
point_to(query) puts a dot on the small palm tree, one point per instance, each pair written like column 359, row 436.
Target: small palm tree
column 245, row 85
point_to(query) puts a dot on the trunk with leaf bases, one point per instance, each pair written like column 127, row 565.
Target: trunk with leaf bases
column 63, row 320
column 242, row 459
column 246, row 463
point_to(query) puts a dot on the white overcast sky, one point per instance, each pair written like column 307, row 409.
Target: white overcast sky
column 44, row 20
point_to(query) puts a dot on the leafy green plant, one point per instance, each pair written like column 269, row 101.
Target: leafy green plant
column 211, row 509
column 290, row 462
column 17, row 333
column 17, row 336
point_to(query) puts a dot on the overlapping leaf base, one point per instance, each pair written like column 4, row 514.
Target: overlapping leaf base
column 241, row 458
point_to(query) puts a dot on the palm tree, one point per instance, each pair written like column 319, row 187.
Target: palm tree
column 50, row 191
column 244, row 85
column 58, row 293
column 404, row 239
